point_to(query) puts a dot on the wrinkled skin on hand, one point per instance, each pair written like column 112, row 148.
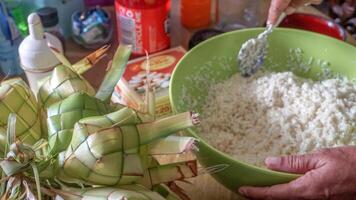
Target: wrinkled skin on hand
column 328, row 174
column 287, row 6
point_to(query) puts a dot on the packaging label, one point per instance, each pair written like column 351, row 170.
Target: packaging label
column 145, row 29
column 161, row 67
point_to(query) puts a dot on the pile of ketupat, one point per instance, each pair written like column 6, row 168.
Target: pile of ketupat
column 75, row 144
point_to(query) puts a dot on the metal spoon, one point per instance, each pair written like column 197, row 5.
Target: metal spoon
column 254, row 51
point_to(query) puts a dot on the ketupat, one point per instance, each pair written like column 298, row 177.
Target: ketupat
column 32, row 170
column 16, row 97
column 23, row 168
column 18, row 158
column 66, row 79
column 127, row 136
column 119, row 136
column 63, row 82
column 62, row 116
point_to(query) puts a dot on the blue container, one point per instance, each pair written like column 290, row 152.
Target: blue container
column 9, row 57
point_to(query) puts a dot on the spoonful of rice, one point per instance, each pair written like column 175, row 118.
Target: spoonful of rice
column 254, row 51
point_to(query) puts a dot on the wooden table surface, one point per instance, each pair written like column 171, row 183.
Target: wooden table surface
column 204, row 186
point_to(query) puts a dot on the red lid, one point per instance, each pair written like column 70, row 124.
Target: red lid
column 315, row 24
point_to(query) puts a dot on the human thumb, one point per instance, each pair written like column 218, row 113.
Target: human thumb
column 293, row 163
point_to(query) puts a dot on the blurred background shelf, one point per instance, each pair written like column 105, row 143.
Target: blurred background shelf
column 75, row 52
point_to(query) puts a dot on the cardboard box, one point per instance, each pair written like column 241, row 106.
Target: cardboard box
column 162, row 65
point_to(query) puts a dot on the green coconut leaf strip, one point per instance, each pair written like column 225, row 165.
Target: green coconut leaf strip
column 40, row 145
column 150, row 93
column 148, row 110
column 37, row 180
column 18, row 159
column 151, row 103
column 2, row 188
column 139, row 189
column 86, row 63
column 172, row 172
column 10, row 167
column 114, row 73
column 11, row 129
column 130, row 96
column 148, row 87
column 164, row 191
column 171, row 145
column 123, row 117
column 41, row 81
column 61, row 57
column 166, row 126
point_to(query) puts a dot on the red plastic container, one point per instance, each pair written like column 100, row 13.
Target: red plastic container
column 315, row 24
column 144, row 24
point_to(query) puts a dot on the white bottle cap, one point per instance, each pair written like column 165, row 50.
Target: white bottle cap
column 35, row 26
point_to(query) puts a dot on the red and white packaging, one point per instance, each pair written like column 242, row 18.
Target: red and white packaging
column 143, row 26
column 161, row 65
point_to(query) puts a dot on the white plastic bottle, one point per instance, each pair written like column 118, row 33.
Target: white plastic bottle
column 37, row 59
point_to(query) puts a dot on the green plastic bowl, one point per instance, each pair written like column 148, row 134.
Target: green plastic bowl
column 215, row 60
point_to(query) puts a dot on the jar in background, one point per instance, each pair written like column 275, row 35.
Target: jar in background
column 50, row 22
column 92, row 28
column 238, row 14
column 143, row 24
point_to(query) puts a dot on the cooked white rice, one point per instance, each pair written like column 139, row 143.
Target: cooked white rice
column 276, row 114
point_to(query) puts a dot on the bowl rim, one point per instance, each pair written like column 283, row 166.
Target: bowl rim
column 340, row 29
column 206, row 144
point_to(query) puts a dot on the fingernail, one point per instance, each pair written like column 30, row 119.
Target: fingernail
column 272, row 160
column 290, row 10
